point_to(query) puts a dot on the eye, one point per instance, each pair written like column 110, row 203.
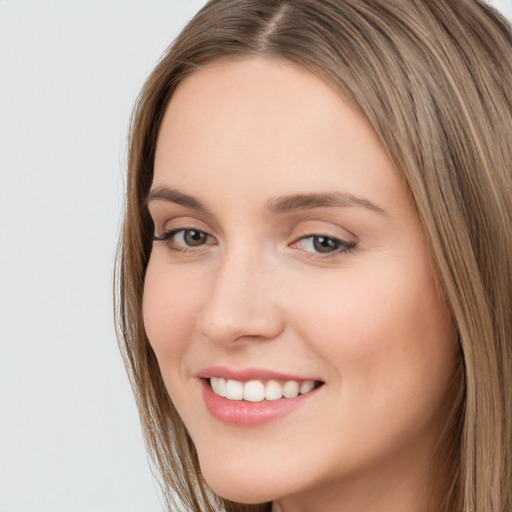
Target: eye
column 184, row 239
column 321, row 244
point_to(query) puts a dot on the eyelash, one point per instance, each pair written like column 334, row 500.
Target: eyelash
column 169, row 235
column 342, row 246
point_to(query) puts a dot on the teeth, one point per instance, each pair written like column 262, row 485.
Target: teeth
column 219, row 386
column 305, row 387
column 273, row 390
column 291, row 389
column 254, row 391
column 234, row 390
column 257, row 390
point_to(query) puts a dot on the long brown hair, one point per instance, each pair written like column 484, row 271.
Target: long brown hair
column 434, row 79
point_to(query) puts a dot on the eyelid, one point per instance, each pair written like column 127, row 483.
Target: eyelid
column 164, row 224
column 169, row 233
column 166, row 229
column 315, row 228
column 183, row 247
column 345, row 246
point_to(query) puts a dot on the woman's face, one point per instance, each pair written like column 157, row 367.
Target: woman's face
column 291, row 257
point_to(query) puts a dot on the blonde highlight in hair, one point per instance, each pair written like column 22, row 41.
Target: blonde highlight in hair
column 434, row 79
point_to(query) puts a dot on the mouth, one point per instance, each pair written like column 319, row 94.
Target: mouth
column 253, row 397
column 261, row 390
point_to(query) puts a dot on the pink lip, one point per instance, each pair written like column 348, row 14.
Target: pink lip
column 244, row 375
column 244, row 413
column 249, row 414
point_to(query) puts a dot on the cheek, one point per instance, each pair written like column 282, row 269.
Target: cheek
column 381, row 332
column 170, row 308
column 391, row 354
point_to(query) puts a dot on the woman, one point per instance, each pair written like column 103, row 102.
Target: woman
column 315, row 268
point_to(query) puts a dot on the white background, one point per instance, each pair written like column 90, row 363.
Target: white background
column 69, row 73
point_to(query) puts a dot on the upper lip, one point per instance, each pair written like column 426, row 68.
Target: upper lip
column 247, row 374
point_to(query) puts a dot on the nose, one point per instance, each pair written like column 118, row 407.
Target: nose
column 241, row 305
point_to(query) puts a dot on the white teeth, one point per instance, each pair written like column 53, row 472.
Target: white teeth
column 306, row 386
column 291, row 389
column 254, row 391
column 218, row 385
column 257, row 390
column 273, row 390
column 234, row 390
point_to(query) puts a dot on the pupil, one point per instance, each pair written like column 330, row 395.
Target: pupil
column 323, row 244
column 194, row 238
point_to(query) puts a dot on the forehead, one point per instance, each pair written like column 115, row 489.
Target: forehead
column 261, row 121
column 257, row 94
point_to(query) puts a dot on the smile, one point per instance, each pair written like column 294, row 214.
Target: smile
column 260, row 390
column 253, row 397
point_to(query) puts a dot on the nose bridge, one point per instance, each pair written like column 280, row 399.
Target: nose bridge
column 241, row 302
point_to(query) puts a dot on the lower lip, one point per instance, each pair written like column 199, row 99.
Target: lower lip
column 249, row 414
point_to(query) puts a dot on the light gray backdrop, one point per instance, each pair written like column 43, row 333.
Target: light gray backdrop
column 69, row 73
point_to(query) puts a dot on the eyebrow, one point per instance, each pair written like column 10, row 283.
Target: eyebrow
column 278, row 205
column 175, row 196
column 309, row 201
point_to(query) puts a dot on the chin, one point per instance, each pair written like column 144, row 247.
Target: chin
column 241, row 491
column 242, row 486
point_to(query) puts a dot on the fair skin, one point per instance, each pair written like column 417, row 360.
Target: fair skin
column 336, row 289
